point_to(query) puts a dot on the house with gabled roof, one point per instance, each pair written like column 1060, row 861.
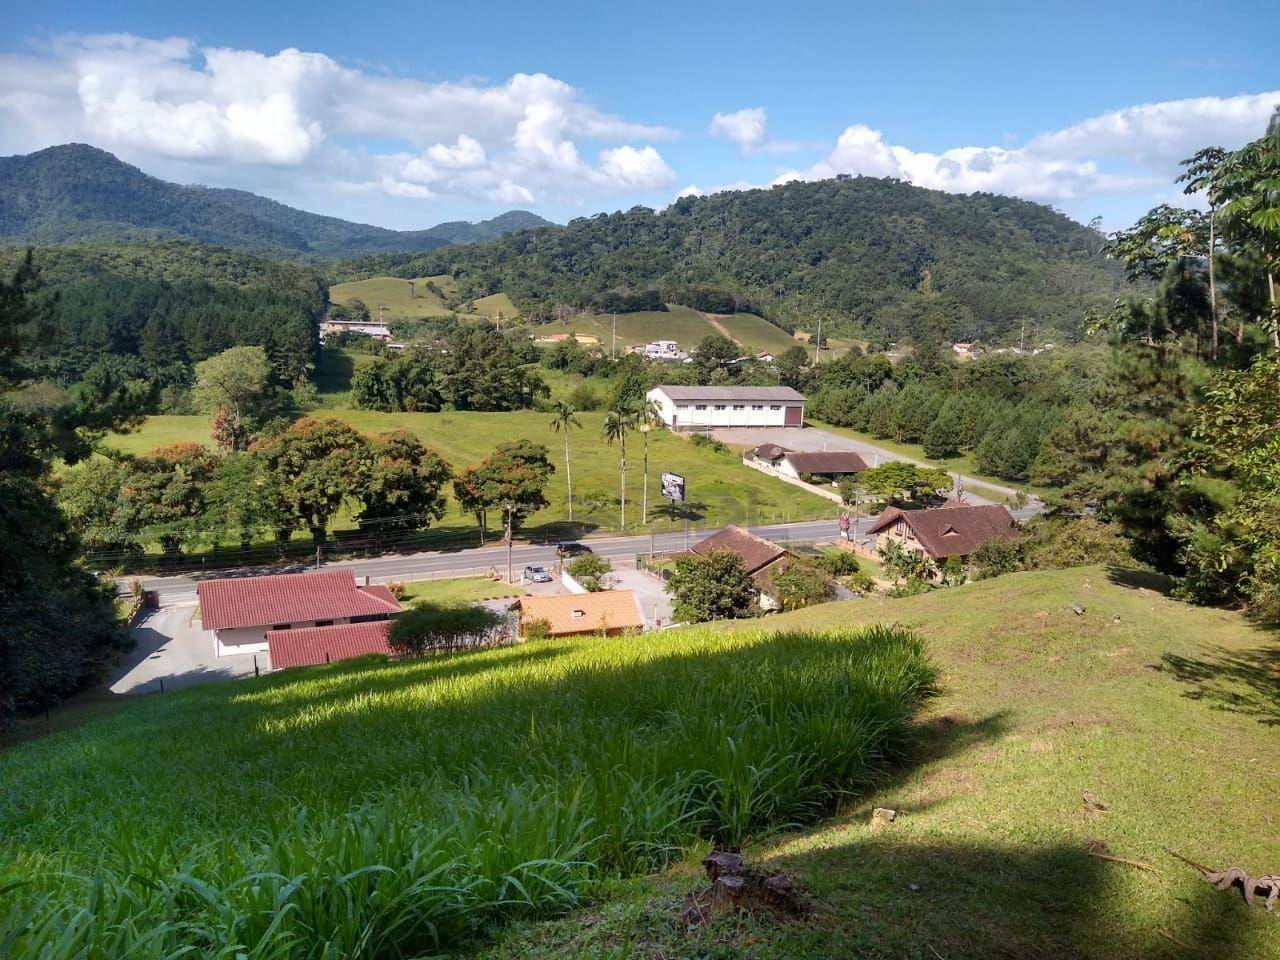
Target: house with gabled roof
column 955, row 530
column 242, row 611
column 605, row 612
column 760, row 557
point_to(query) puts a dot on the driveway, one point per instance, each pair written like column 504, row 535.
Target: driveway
column 173, row 649
column 813, row 440
column 655, row 602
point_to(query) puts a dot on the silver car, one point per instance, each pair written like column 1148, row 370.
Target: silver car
column 537, row 573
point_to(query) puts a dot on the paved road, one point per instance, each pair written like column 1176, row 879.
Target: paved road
column 424, row 566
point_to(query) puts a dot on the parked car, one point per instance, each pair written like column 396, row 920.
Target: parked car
column 572, row 549
column 537, row 573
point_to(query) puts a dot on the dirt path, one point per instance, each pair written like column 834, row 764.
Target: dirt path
column 721, row 328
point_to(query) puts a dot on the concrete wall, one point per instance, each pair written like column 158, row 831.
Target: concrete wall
column 686, row 415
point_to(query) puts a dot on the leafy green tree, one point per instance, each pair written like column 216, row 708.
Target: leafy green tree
column 316, row 466
column 89, row 496
column 402, row 483
column 406, row 383
column 244, row 501
column 564, row 418
column 897, row 480
column 792, row 366
column 1200, row 173
column 618, row 422
column 713, row 586
column 163, row 496
column 513, row 479
column 945, row 436
column 997, row 557
column 715, row 350
column 237, row 381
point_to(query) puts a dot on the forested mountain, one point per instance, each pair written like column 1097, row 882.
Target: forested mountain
column 163, row 305
column 75, row 192
column 879, row 258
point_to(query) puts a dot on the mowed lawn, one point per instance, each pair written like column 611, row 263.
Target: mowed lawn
column 1168, row 714
column 720, row 489
column 403, row 299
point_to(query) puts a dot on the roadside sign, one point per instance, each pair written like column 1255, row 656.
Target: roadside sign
column 673, row 487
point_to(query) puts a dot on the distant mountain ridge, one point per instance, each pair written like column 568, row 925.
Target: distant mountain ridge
column 74, row 193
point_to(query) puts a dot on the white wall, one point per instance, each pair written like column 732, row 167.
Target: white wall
column 233, row 640
column 744, row 413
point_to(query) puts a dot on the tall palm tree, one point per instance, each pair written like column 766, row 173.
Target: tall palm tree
column 565, row 416
column 649, row 416
column 617, row 423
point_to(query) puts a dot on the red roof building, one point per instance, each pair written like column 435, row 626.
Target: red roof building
column 952, row 531
column 242, row 610
column 311, row 645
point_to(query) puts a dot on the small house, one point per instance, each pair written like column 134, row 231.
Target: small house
column 832, row 465
column 760, row 557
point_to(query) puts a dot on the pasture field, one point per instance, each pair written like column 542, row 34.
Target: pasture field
column 756, row 333
column 721, row 489
column 368, row 809
column 404, row 299
column 1166, row 713
column 677, row 323
column 494, row 304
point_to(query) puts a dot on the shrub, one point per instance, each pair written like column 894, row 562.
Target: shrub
column 859, row 582
column 708, row 442
column 398, row 590
column 713, row 586
column 997, row 557
column 584, row 397
column 588, row 566
column 537, row 629
column 801, row 586
column 431, row 626
column 838, row 563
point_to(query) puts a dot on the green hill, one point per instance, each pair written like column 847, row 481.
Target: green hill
column 371, row 800
column 73, row 193
column 403, row 299
column 678, row 323
column 875, row 257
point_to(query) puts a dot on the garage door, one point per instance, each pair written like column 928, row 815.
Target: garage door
column 794, row 416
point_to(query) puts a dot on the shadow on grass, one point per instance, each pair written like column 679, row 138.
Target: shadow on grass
column 1141, row 579
column 1238, row 681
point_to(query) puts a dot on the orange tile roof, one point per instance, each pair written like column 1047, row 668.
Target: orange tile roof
column 584, row 612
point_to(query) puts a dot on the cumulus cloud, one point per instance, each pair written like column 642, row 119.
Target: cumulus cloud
column 521, row 140
column 1137, row 148
column 749, row 129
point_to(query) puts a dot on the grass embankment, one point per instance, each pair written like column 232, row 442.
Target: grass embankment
column 721, row 489
column 372, row 809
column 1169, row 714
column 496, row 304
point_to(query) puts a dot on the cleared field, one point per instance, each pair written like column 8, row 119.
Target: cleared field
column 721, row 489
column 1166, row 712
column 403, row 299
column 333, row 373
column 495, row 304
column 400, row 810
column 677, row 323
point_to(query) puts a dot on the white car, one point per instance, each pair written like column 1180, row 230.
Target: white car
column 537, row 573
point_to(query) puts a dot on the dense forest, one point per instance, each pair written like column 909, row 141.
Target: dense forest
column 877, row 258
column 73, row 193
column 151, row 310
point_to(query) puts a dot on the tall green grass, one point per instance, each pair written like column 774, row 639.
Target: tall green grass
column 389, row 810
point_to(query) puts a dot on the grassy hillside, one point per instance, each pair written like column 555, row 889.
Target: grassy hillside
column 403, row 299
column 374, row 810
column 677, row 323
column 721, row 489
column 1165, row 712
column 494, row 304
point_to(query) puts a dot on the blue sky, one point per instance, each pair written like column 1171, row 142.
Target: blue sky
column 409, row 114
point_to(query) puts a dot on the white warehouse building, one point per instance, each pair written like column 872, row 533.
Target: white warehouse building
column 696, row 408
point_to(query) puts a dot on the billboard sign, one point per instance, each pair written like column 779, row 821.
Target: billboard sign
column 673, row 487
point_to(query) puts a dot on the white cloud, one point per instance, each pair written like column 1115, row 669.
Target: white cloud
column 168, row 100
column 749, row 129
column 1129, row 150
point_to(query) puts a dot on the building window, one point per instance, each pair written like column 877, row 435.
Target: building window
column 775, row 406
column 682, row 406
column 720, row 406
column 700, row 406
column 757, row 406
column 739, row 406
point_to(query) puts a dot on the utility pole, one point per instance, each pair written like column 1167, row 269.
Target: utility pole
column 613, row 345
column 510, row 509
column 1022, row 343
column 817, row 344
column 317, row 556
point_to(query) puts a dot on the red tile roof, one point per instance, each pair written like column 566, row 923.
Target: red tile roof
column 311, row 645
column 289, row 598
column 955, row 530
